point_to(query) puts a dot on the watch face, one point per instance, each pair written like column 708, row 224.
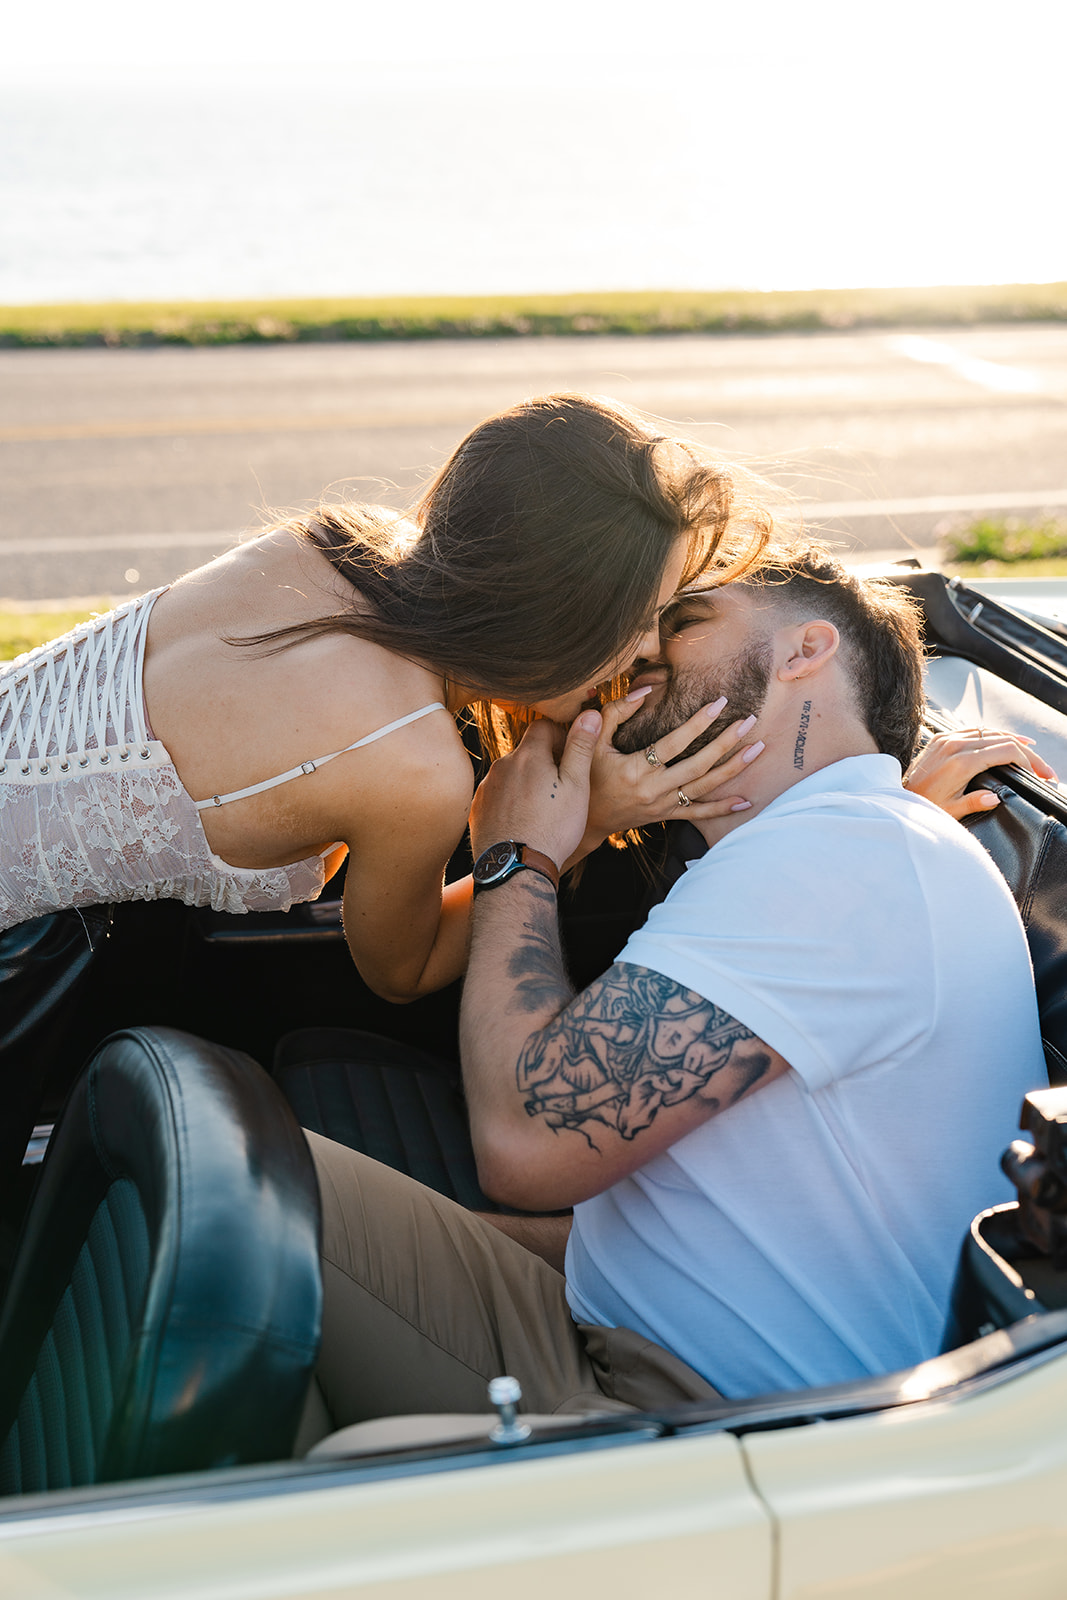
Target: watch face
column 495, row 862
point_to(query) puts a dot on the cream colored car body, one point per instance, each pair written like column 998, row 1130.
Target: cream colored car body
column 959, row 1496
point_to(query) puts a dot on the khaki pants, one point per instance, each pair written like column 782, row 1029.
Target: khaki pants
column 425, row 1302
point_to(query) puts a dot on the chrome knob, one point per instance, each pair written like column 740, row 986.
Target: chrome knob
column 505, row 1394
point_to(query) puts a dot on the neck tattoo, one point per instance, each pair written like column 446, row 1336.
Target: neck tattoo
column 802, row 736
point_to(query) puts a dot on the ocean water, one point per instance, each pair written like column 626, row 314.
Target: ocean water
column 197, row 193
column 352, row 187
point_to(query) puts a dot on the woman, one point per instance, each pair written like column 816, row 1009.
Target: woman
column 225, row 741
column 221, row 741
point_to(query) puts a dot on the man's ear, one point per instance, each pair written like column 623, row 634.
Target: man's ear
column 807, row 649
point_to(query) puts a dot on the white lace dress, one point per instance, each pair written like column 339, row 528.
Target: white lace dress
column 91, row 808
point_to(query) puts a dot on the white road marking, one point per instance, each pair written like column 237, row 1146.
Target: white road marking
column 182, row 427
column 827, row 510
column 65, row 543
column 987, row 374
column 1020, row 500
column 824, row 511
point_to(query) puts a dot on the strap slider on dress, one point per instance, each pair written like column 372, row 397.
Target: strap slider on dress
column 216, row 799
column 307, row 767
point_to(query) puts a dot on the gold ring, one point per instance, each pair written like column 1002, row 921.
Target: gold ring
column 652, row 758
column 683, row 798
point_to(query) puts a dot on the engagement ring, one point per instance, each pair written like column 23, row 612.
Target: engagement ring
column 652, row 758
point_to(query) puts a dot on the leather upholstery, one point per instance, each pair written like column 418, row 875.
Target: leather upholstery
column 43, row 964
column 987, row 1291
column 1030, row 848
column 386, row 1099
column 164, row 1308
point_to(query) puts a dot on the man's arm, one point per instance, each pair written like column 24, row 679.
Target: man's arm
column 542, row 1236
column 567, row 1094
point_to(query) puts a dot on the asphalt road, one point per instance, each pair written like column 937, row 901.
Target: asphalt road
column 121, row 469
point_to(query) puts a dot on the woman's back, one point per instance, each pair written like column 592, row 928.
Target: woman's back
column 91, row 808
column 115, row 731
column 234, row 715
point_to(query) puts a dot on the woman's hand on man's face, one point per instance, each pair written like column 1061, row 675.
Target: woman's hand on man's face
column 539, row 794
column 632, row 791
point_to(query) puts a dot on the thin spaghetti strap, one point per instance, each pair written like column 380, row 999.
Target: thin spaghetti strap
column 307, row 767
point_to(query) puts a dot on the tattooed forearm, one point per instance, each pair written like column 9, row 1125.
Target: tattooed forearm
column 535, row 965
column 631, row 1044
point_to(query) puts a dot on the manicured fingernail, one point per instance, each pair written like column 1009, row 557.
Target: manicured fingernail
column 712, row 711
column 990, row 800
column 743, row 727
column 753, row 751
column 639, row 694
column 742, row 805
column 590, row 721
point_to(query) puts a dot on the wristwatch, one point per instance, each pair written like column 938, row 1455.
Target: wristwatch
column 502, row 861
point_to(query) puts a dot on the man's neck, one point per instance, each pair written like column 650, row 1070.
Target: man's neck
column 806, row 734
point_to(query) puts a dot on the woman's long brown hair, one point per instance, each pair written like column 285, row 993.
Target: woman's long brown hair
column 537, row 551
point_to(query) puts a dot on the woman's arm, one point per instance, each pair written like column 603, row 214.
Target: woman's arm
column 944, row 767
column 407, row 930
column 425, row 959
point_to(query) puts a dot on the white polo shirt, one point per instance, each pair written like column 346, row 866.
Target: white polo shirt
column 810, row 1233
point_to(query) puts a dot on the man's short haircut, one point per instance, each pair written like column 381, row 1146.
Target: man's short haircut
column 881, row 634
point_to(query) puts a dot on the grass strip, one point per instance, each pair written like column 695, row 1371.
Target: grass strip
column 121, row 323
column 1008, row 543
column 985, row 547
column 1054, row 567
column 23, row 630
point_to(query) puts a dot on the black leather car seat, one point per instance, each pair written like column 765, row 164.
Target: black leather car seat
column 389, row 1100
column 164, row 1308
column 44, row 964
column 1029, row 845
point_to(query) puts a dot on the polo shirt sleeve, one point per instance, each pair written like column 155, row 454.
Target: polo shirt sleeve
column 812, row 931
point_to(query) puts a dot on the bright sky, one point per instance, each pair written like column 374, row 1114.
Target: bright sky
column 980, row 55
column 875, row 119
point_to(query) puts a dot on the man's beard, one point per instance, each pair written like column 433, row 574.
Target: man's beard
column 743, row 681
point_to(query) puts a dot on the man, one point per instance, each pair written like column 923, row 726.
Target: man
column 776, row 1114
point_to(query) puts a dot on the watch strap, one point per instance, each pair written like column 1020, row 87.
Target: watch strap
column 537, row 861
column 525, row 856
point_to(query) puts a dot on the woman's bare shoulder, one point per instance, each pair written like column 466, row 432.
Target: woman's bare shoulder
column 232, row 712
column 418, row 777
column 428, row 753
column 259, row 584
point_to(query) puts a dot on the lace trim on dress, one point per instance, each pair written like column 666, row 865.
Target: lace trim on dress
column 68, row 701
column 91, row 808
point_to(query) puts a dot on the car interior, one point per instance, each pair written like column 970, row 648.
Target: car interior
column 158, row 1208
